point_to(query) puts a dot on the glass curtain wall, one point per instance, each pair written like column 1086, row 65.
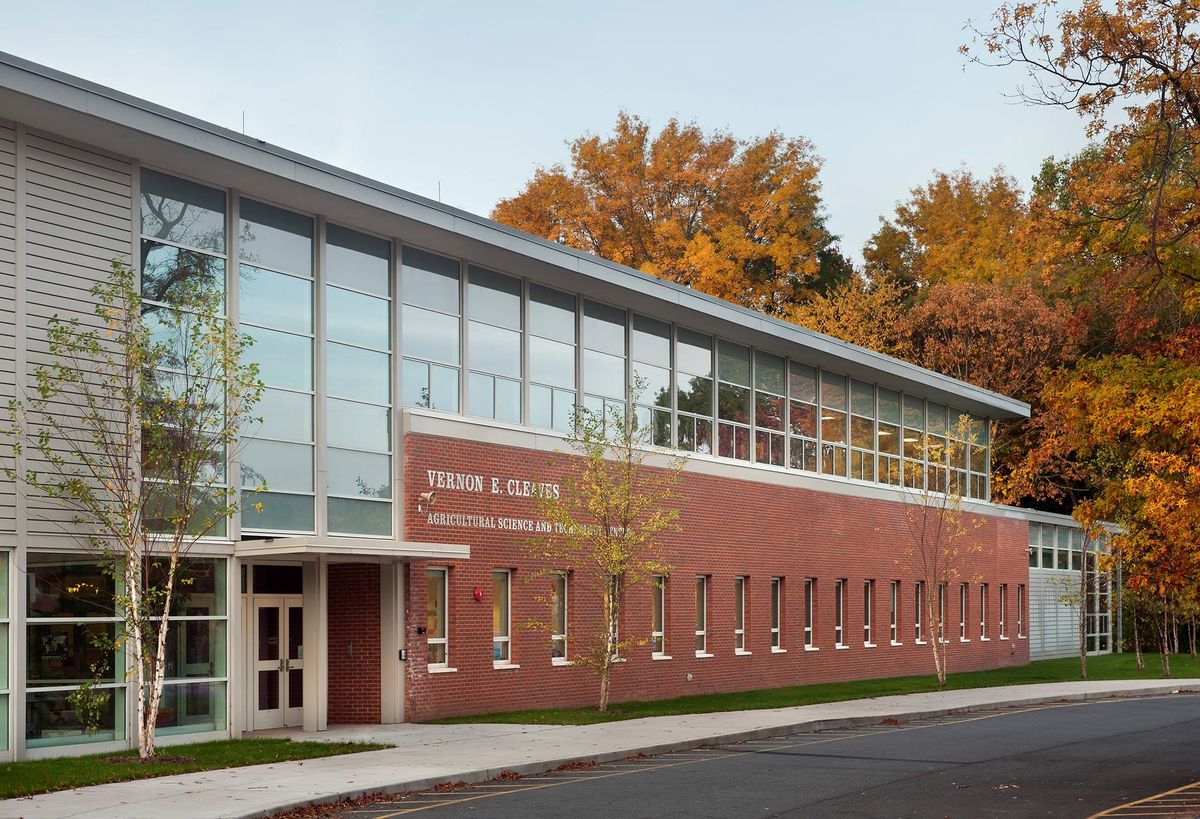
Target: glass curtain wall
column 275, row 307
column 733, row 401
column 552, row 328
column 604, row 390
column 651, row 355
column 182, row 245
column 494, row 345
column 833, row 423
column 768, row 409
column 6, row 648
column 358, row 388
column 862, row 431
column 694, row 391
column 430, row 319
column 194, row 693
column 802, row 387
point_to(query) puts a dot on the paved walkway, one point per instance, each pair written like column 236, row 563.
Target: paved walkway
column 428, row 754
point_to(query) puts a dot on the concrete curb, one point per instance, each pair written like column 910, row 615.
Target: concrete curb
column 478, row 775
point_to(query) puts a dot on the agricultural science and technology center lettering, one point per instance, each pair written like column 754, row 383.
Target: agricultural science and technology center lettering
column 480, row 484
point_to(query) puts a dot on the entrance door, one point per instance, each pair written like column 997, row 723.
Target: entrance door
column 278, row 662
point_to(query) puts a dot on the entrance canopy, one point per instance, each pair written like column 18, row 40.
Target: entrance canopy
column 350, row 547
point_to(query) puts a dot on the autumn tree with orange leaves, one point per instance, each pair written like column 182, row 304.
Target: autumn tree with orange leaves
column 740, row 219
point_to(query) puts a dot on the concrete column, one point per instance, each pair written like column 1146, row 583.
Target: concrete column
column 316, row 645
column 391, row 641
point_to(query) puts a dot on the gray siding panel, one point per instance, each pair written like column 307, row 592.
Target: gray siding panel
column 1053, row 624
column 8, row 316
column 78, row 218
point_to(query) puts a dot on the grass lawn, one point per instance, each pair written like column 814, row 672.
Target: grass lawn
column 43, row 775
column 1103, row 667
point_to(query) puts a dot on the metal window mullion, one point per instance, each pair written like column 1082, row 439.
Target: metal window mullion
column 464, row 363
column 320, row 517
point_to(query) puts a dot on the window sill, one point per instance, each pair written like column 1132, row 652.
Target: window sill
column 441, row 669
column 1020, row 636
column 660, row 656
column 778, row 650
column 703, row 655
column 985, row 639
column 502, row 666
column 922, row 642
column 812, row 648
column 870, row 645
column 963, row 640
column 841, row 647
column 741, row 652
column 895, row 643
column 561, row 661
column 1004, row 638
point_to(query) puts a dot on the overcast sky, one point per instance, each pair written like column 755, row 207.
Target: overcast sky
column 475, row 95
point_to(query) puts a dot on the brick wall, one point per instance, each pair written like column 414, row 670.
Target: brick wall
column 354, row 688
column 729, row 528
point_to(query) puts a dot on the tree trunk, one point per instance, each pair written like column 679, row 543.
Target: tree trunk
column 1164, row 638
column 1192, row 638
column 1083, row 612
column 936, row 645
column 1137, row 641
column 133, row 587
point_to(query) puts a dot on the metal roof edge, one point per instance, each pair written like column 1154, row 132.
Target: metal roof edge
column 85, row 97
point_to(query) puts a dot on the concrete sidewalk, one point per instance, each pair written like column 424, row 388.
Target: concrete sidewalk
column 429, row 754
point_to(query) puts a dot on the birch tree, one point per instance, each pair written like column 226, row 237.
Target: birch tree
column 159, row 394
column 607, row 525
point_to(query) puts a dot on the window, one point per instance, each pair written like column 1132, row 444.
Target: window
column 739, row 615
column 979, row 458
column 768, row 409
column 501, row 617
column 1063, row 552
column 895, row 600
column 1035, row 532
column 604, row 388
column 558, row 617
column 962, row 612
column 839, row 611
column 358, row 463
column 494, row 345
column 802, row 416
column 983, row 606
column 658, row 631
column 437, row 593
column 182, row 245
column 70, row 639
column 652, row 379
column 914, row 442
column 1003, row 611
column 776, row 613
column 918, row 609
column 937, row 448
column 868, row 603
column 693, row 391
column 429, row 330
column 862, row 431
column 833, row 424
column 733, row 401
column 889, row 437
column 941, row 623
column 810, row 591
column 1076, row 549
column 1020, row 610
column 275, row 303
column 551, row 358
column 701, row 615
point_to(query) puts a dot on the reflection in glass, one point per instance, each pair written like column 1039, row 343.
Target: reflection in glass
column 357, row 319
column 551, row 362
column 551, row 314
column 182, row 212
column 356, row 373
column 603, row 374
column 494, row 298
column 279, row 512
column 285, row 415
column 358, row 426
column 275, row 299
column 275, row 238
column 359, row 517
column 356, row 260
column 283, row 360
column 166, row 269
column 362, row 474
column 494, row 349
column 431, row 386
column 281, row 466
column 430, row 281
column 429, row 335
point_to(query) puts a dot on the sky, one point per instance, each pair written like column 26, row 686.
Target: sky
column 468, row 98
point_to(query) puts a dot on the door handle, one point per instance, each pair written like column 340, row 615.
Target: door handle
column 282, row 665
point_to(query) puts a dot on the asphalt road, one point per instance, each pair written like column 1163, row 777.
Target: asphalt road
column 1059, row 760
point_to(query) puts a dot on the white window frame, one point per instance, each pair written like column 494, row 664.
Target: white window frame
column 918, row 609
column 941, row 625
column 658, row 636
column 777, row 615
column 962, row 613
column 839, row 613
column 810, row 596
column 895, row 592
column 1003, row 605
column 560, row 601
column 702, row 616
column 868, row 612
column 739, row 616
column 1020, row 611
column 983, row 606
column 442, row 641
column 503, row 639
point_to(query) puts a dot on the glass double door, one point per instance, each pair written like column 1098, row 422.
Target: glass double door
column 278, row 662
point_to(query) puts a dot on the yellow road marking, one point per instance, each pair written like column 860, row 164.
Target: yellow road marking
column 1168, row 799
